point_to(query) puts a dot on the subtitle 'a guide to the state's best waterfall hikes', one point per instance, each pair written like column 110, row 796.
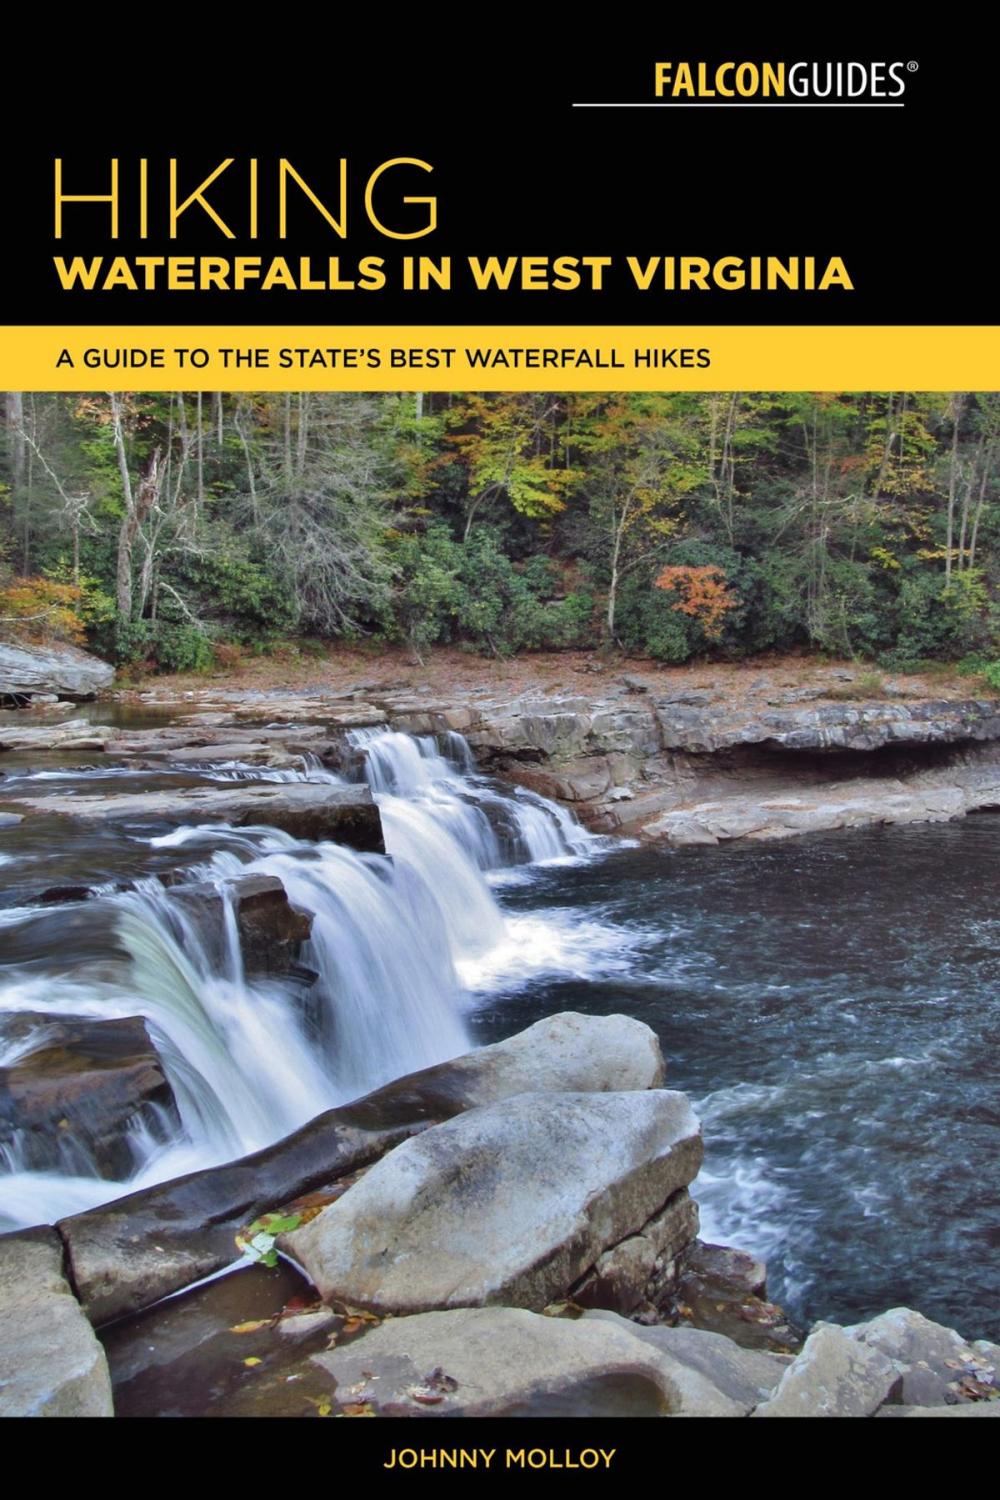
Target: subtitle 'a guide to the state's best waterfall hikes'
column 499, row 654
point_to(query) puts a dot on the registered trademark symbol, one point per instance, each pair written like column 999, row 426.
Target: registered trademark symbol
column 911, row 67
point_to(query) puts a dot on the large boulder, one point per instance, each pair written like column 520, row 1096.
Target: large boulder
column 834, row 1376
column 128, row 1254
column 504, row 1361
column 75, row 1087
column 511, row 1203
column 27, row 671
column 51, row 1364
column 564, row 1052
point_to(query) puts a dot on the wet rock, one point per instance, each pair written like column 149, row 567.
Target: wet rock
column 834, row 1376
column 10, row 820
column 503, row 1361
column 509, row 1203
column 63, row 895
column 345, row 815
column 75, row 1087
column 51, row 1364
column 271, row 930
column 936, row 1365
column 247, row 752
column 61, row 670
column 182, row 1357
column 727, row 1268
column 746, row 1376
column 723, row 1291
column 128, row 1254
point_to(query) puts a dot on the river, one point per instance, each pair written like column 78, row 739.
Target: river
column 829, row 1002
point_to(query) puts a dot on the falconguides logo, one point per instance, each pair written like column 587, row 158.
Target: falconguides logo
column 783, row 83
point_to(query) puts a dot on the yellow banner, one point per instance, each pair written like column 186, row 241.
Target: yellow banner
column 360, row 358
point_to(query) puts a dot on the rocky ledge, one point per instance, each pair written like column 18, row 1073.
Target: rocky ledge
column 701, row 764
column 507, row 1234
column 693, row 768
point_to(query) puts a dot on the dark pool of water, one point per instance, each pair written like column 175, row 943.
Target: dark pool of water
column 832, row 1003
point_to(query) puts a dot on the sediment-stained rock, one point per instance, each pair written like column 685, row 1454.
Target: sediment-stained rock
column 271, row 930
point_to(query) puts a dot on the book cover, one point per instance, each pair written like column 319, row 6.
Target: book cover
column 499, row 658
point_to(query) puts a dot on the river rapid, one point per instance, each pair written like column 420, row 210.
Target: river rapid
column 830, row 1002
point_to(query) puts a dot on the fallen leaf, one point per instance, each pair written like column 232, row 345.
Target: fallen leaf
column 358, row 1409
column 253, row 1360
column 253, row 1326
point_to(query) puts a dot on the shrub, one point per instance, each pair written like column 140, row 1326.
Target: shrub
column 42, row 609
column 647, row 622
column 935, row 621
column 163, row 646
column 867, row 685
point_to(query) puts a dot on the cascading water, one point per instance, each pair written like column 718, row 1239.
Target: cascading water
column 395, row 944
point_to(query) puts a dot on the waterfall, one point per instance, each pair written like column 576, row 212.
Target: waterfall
column 394, row 944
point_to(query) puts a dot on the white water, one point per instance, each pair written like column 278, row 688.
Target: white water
column 397, row 944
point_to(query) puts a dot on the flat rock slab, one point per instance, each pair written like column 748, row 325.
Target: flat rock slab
column 511, row 1203
column 51, row 1364
column 344, row 815
column 503, row 1361
column 834, row 1376
column 72, row 734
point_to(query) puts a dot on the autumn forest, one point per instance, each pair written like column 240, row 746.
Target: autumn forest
column 179, row 531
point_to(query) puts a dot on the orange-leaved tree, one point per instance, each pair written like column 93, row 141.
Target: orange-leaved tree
column 702, row 594
column 40, row 609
